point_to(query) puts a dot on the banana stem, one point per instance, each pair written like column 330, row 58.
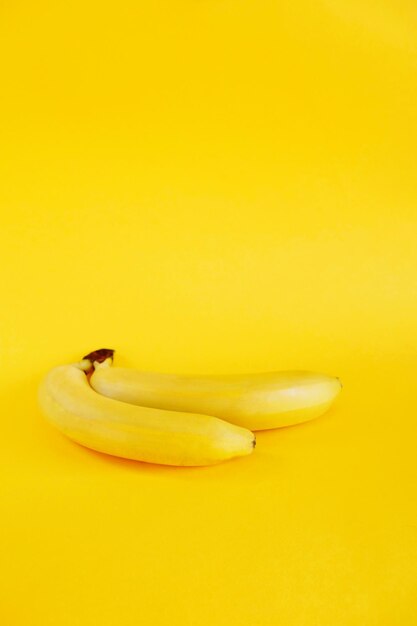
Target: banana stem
column 98, row 356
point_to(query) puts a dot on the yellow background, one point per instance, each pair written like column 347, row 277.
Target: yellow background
column 211, row 186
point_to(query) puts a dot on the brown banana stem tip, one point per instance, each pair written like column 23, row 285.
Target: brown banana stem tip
column 99, row 355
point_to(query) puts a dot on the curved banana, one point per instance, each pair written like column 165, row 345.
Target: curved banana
column 253, row 401
column 134, row 432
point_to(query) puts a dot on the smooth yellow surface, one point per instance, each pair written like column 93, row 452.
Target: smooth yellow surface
column 211, row 186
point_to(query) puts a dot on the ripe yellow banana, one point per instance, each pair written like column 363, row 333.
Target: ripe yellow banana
column 253, row 401
column 134, row 432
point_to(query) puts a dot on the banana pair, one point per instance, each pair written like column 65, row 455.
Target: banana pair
column 176, row 420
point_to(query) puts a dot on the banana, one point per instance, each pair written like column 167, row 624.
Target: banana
column 144, row 434
column 253, row 401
